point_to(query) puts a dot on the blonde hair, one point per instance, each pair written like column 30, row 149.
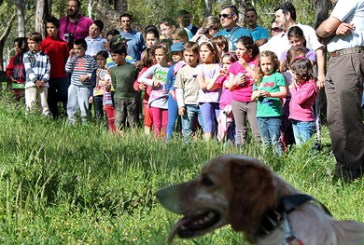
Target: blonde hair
column 274, row 59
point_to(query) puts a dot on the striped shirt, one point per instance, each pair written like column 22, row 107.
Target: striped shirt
column 37, row 67
column 79, row 66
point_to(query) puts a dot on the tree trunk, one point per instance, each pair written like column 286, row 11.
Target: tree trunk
column 208, row 8
column 42, row 12
column 4, row 36
column 89, row 8
column 242, row 6
column 21, row 17
column 109, row 12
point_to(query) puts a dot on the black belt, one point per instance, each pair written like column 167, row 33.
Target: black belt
column 344, row 51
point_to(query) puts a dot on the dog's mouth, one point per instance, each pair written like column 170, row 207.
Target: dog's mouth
column 195, row 225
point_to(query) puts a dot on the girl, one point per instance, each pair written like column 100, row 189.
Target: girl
column 225, row 121
column 96, row 94
column 177, row 58
column 208, row 100
column 221, row 44
column 269, row 87
column 151, row 36
column 107, row 100
column 241, row 80
column 15, row 70
column 158, row 100
column 297, row 40
column 303, row 95
column 210, row 27
column 146, row 62
column 179, row 35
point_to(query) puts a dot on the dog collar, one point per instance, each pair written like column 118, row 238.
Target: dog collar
column 275, row 217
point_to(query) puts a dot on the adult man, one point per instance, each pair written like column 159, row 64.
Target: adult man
column 344, row 86
column 184, row 21
column 285, row 16
column 74, row 25
column 228, row 17
column 135, row 38
column 259, row 34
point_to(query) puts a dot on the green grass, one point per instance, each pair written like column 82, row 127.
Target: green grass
column 81, row 185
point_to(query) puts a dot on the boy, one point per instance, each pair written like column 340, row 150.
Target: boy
column 187, row 90
column 81, row 67
column 57, row 50
column 123, row 76
column 95, row 43
column 37, row 68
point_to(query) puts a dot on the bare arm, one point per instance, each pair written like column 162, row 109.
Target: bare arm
column 328, row 27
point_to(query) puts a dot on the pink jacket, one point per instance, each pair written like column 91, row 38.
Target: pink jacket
column 303, row 97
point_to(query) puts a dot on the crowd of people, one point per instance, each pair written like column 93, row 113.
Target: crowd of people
column 215, row 78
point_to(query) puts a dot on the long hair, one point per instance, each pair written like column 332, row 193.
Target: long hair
column 274, row 59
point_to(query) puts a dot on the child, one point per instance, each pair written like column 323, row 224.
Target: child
column 15, row 70
column 97, row 88
column 37, row 68
column 80, row 66
column 58, row 51
column 95, row 42
column 146, row 62
column 107, row 99
column 221, row 44
column 179, row 35
column 151, row 36
column 269, row 87
column 158, row 100
column 167, row 27
column 303, row 95
column 208, row 100
column 221, row 80
column 177, row 58
column 123, row 76
column 241, row 80
column 187, row 91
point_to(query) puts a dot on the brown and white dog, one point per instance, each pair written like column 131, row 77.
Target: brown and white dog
column 243, row 192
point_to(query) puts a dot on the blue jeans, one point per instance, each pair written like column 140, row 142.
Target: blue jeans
column 191, row 111
column 269, row 128
column 210, row 112
column 172, row 116
column 303, row 131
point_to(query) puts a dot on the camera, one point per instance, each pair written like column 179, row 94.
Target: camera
column 69, row 39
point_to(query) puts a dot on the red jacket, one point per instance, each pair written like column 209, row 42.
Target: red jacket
column 58, row 53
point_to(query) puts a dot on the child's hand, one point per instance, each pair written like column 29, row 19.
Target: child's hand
column 108, row 87
column 90, row 100
column 240, row 79
column 72, row 52
column 156, row 83
column 142, row 86
column 181, row 111
column 265, row 94
column 84, row 78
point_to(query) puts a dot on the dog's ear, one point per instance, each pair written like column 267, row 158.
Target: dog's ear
column 253, row 193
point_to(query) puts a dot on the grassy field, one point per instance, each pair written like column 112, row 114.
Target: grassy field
column 81, row 185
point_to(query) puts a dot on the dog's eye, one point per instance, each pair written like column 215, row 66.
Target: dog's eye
column 206, row 181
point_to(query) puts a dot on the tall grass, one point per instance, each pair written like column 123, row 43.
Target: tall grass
column 73, row 185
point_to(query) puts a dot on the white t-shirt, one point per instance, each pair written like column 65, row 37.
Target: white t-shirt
column 348, row 11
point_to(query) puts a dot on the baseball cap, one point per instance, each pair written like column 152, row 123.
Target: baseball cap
column 177, row 47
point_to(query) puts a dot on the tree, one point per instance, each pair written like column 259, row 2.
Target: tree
column 20, row 6
column 4, row 36
column 42, row 12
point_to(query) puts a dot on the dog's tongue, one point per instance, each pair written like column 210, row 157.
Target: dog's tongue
column 176, row 228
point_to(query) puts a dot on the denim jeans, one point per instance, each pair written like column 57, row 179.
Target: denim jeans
column 303, row 130
column 191, row 111
column 172, row 116
column 269, row 128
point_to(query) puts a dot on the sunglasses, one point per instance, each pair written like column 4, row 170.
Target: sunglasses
column 214, row 28
column 225, row 15
column 276, row 29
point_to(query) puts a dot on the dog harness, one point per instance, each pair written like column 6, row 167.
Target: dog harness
column 275, row 217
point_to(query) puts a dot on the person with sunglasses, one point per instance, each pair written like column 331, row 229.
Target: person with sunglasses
column 210, row 26
column 259, row 34
column 228, row 17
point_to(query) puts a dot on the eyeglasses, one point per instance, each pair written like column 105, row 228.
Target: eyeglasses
column 225, row 15
column 165, row 29
column 214, row 28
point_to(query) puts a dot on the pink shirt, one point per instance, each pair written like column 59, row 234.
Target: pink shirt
column 225, row 97
column 79, row 29
column 243, row 93
column 303, row 97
